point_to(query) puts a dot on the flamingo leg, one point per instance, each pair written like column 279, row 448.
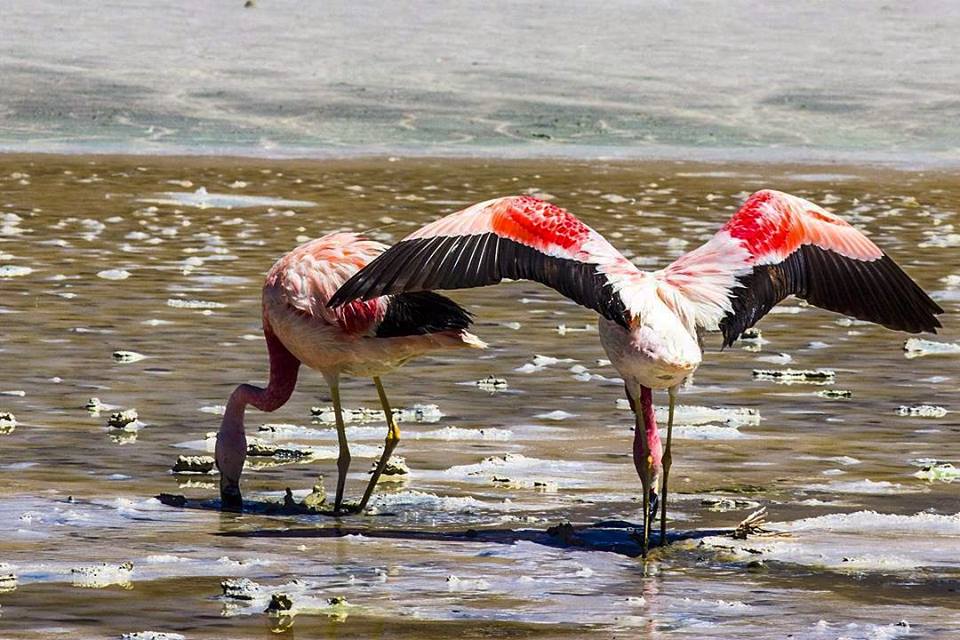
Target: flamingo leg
column 393, row 437
column 343, row 460
column 667, row 460
column 641, row 460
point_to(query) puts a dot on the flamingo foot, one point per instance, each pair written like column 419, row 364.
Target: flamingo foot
column 347, row 509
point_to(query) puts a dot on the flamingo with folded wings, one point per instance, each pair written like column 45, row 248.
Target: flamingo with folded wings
column 651, row 323
column 366, row 339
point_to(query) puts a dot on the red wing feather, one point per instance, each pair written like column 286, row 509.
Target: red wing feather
column 778, row 245
column 515, row 237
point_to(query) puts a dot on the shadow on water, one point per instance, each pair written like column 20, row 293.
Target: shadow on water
column 614, row 536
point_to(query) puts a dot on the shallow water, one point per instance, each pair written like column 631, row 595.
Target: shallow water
column 694, row 79
column 102, row 254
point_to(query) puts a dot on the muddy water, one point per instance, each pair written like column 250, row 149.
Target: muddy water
column 107, row 254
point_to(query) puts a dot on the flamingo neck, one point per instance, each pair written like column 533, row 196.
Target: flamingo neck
column 284, row 368
column 651, row 432
column 231, row 449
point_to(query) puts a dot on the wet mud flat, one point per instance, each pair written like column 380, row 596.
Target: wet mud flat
column 130, row 310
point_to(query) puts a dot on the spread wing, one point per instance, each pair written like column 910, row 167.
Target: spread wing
column 515, row 237
column 777, row 245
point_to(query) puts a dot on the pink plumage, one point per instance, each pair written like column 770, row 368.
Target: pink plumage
column 772, row 225
column 362, row 338
column 307, row 277
column 776, row 245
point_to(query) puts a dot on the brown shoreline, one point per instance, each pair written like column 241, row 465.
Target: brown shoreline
column 807, row 170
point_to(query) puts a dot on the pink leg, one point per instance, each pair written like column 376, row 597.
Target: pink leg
column 647, row 456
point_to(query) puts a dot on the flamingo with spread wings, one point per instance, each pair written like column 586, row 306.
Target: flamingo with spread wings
column 368, row 338
column 776, row 245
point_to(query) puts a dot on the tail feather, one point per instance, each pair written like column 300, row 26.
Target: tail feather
column 422, row 312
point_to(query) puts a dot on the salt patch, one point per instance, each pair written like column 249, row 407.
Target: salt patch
column 796, row 376
column 844, row 460
column 942, row 471
column 8, row 579
column 615, row 198
column 194, row 464
column 204, row 200
column 102, row 575
column 14, row 271
column 859, row 522
column 492, row 384
column 396, row 469
column 413, row 500
column 127, row 356
column 698, row 415
column 516, row 469
column 922, row 411
column 215, row 409
column 582, row 374
column 177, row 303
column 780, row 358
column 723, row 504
column 556, row 415
column 459, row 433
column 240, row 588
column 127, row 420
column 279, row 430
column 95, row 406
column 563, row 329
column 707, row 432
column 427, row 413
column 918, row 347
column 8, row 422
column 834, row 394
column 257, row 449
column 466, row 584
column 541, row 362
column 865, row 486
column 114, row 274
column 937, row 238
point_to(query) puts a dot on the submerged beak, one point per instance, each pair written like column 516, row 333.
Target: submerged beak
column 230, row 497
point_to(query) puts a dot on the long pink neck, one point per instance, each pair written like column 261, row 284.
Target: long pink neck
column 650, row 432
column 284, row 367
